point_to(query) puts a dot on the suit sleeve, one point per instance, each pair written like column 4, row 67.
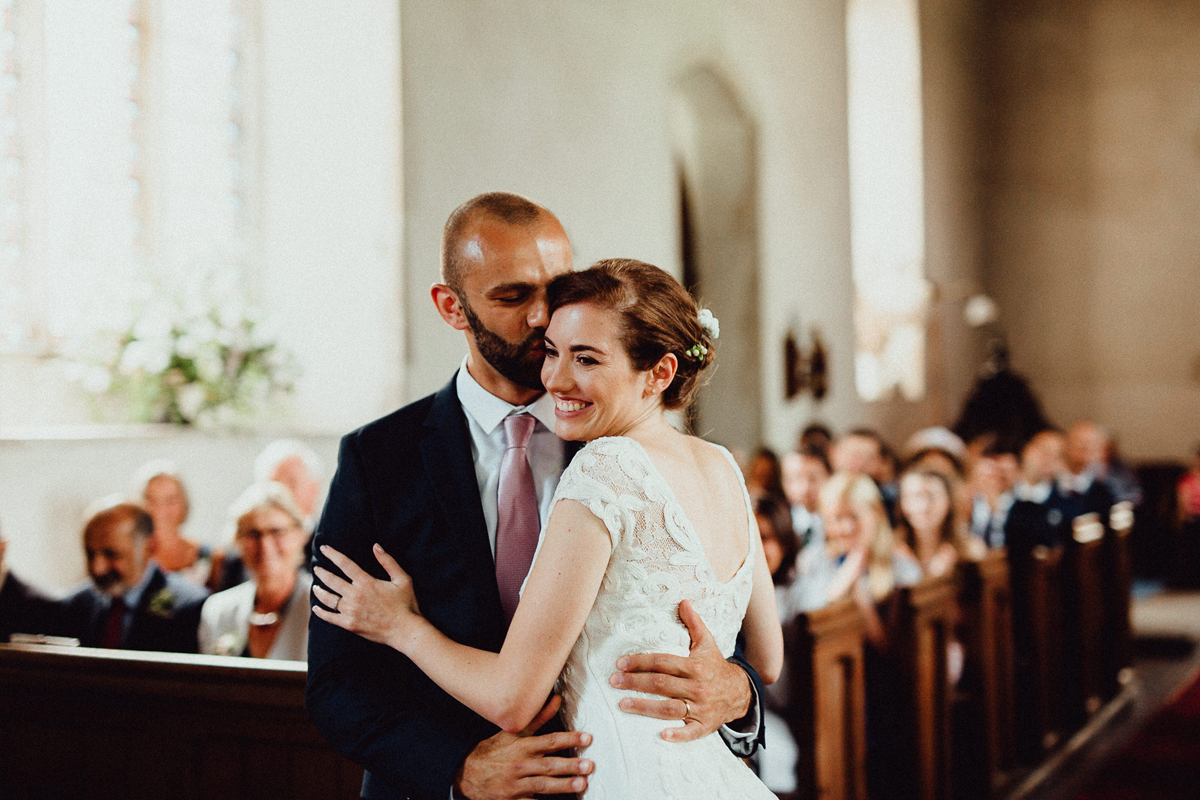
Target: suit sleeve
column 23, row 609
column 744, row 745
column 367, row 700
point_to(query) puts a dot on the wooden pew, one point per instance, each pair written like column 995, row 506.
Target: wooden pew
column 987, row 732
column 1083, row 622
column 1118, row 587
column 826, row 711
column 928, row 612
column 80, row 722
column 1044, row 625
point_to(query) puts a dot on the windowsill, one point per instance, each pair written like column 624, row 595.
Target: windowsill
column 96, row 432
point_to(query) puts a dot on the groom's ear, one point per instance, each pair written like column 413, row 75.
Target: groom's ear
column 446, row 301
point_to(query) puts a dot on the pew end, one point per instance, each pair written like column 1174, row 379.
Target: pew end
column 82, row 722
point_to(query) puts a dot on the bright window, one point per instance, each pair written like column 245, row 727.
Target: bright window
column 124, row 159
column 887, row 197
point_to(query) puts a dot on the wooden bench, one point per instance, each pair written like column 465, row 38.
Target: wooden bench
column 928, row 612
column 1118, row 588
column 827, row 702
column 1044, row 624
column 1083, row 620
column 80, row 722
column 987, row 732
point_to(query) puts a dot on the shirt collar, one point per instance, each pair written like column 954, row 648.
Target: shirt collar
column 134, row 595
column 1038, row 493
column 489, row 411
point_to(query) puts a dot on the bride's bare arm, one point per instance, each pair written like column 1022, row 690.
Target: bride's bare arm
column 510, row 687
column 764, row 637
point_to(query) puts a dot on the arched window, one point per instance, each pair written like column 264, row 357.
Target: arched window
column 124, row 155
column 887, row 204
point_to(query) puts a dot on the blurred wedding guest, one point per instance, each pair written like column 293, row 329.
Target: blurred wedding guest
column 859, row 557
column 1121, row 480
column 267, row 616
column 166, row 500
column 1083, row 481
column 763, row 475
column 817, row 437
column 863, row 451
column 861, row 560
column 777, row 768
column 994, row 472
column 803, row 475
column 130, row 602
column 927, row 525
column 1188, row 490
column 780, row 544
column 1039, row 514
column 294, row 464
column 940, row 441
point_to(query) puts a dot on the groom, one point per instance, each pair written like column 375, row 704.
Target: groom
column 431, row 484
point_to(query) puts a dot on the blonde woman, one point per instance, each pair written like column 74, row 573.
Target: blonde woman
column 858, row 557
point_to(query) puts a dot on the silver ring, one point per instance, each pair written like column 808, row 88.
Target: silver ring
column 337, row 602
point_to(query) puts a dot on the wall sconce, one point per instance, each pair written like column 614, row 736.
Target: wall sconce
column 805, row 370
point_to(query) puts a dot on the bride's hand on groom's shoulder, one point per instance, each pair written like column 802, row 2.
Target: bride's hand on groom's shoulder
column 703, row 689
column 382, row 611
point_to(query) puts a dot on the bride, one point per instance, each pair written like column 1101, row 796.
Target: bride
column 646, row 522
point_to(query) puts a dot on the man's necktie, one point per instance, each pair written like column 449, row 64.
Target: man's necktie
column 114, row 625
column 517, row 524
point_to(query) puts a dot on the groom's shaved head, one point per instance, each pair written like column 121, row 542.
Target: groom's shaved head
column 512, row 209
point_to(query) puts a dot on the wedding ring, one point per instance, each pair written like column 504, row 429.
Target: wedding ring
column 336, row 602
column 687, row 710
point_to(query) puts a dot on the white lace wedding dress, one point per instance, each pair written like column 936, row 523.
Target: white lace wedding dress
column 657, row 561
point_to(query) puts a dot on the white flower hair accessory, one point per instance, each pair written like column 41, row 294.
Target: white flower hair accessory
column 711, row 324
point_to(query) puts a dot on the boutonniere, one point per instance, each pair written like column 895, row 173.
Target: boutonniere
column 163, row 604
column 230, row 644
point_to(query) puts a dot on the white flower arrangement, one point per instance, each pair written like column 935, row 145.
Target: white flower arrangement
column 711, row 324
column 201, row 356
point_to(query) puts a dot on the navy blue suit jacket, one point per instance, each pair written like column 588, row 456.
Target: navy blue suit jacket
column 166, row 619
column 406, row 481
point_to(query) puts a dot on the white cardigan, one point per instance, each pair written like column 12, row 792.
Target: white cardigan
column 225, row 621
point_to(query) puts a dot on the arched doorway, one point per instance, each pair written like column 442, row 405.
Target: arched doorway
column 714, row 140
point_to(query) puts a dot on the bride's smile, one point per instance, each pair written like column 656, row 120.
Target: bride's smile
column 597, row 392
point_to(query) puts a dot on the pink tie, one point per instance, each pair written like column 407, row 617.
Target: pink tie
column 517, row 525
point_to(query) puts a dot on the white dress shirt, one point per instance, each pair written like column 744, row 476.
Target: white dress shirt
column 485, row 418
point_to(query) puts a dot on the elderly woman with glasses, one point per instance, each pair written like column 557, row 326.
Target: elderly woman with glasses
column 267, row 616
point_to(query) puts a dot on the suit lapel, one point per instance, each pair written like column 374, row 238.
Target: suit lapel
column 447, row 456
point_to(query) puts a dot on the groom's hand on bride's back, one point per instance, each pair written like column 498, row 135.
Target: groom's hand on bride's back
column 703, row 689
column 516, row 766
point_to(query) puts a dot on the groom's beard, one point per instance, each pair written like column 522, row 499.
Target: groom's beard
column 519, row 362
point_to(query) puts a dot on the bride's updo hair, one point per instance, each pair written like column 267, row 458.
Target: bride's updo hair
column 658, row 316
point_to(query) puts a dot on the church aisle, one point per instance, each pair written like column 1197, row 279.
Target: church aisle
column 1152, row 736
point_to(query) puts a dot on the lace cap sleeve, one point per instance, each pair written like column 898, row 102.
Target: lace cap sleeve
column 607, row 476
